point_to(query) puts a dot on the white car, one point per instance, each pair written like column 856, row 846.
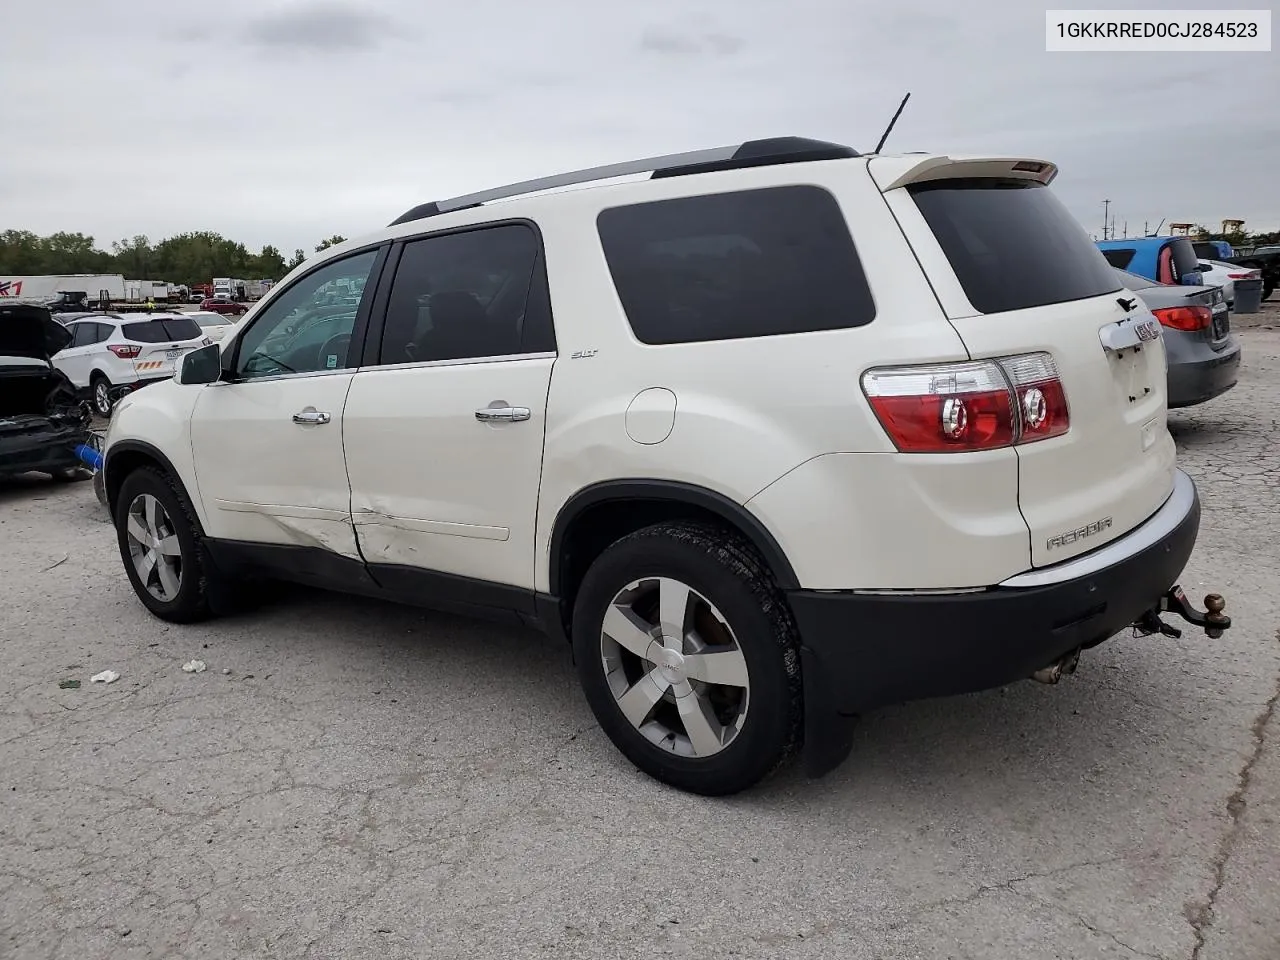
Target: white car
column 774, row 437
column 130, row 350
column 1224, row 275
column 215, row 325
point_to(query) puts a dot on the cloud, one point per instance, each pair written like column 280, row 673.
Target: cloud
column 322, row 25
column 672, row 43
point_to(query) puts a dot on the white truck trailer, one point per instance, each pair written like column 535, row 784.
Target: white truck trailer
column 95, row 286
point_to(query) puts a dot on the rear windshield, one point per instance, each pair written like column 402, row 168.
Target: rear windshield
column 1012, row 244
column 161, row 331
column 1135, row 282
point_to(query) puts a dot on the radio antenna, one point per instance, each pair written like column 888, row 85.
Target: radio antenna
column 889, row 129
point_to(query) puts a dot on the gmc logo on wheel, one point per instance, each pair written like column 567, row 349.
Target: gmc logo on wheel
column 1080, row 533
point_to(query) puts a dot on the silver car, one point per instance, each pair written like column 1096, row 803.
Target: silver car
column 1204, row 356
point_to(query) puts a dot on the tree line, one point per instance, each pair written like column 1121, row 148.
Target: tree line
column 187, row 258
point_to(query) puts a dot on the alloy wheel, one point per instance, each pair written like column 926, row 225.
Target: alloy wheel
column 102, row 397
column 674, row 667
column 154, row 547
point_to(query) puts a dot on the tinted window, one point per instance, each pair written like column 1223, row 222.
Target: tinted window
column 83, row 334
column 756, row 263
column 161, row 331
column 1119, row 259
column 1206, row 251
column 467, row 295
column 308, row 327
column 1012, row 244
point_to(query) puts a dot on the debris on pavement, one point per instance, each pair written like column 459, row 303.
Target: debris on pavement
column 68, row 684
column 106, row 676
column 194, row 666
column 226, row 671
column 65, row 558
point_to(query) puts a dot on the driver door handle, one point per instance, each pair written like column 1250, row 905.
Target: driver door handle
column 311, row 416
column 501, row 413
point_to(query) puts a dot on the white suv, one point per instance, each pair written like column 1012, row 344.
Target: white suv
column 775, row 436
column 110, row 351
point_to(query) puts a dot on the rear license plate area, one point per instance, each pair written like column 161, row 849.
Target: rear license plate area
column 1221, row 324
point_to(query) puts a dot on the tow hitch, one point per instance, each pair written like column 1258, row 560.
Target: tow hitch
column 1212, row 620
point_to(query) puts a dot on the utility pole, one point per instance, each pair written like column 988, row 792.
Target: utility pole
column 1106, row 206
column 1126, row 229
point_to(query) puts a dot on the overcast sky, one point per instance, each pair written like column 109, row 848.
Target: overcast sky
column 285, row 122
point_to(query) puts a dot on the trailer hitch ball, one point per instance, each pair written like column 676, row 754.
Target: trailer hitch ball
column 1215, row 619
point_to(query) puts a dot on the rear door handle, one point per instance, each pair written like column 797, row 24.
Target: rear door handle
column 311, row 416
column 500, row 412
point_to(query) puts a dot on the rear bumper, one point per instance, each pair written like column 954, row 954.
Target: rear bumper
column 1202, row 378
column 45, row 453
column 865, row 650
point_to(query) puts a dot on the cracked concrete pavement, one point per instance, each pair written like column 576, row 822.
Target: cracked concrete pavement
column 377, row 780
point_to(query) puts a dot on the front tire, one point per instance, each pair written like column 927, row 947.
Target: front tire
column 689, row 657
column 160, row 547
column 100, row 393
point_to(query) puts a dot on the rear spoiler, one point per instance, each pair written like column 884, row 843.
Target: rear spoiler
column 890, row 173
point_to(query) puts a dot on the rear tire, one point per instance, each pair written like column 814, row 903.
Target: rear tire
column 1267, row 290
column 100, row 395
column 713, row 737
column 160, row 546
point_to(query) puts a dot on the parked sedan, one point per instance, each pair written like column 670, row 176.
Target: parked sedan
column 1203, row 355
column 1224, row 275
column 215, row 325
column 223, row 305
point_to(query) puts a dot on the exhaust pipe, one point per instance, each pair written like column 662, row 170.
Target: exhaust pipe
column 1064, row 666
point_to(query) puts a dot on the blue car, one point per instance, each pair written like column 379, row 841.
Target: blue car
column 1162, row 259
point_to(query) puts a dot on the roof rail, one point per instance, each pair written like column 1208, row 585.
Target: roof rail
column 752, row 153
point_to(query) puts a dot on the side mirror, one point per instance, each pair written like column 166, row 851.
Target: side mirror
column 1204, row 266
column 201, row 366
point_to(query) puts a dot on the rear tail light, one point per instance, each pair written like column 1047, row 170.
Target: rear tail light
column 1042, row 402
column 1243, row 276
column 978, row 405
column 124, row 352
column 1184, row 318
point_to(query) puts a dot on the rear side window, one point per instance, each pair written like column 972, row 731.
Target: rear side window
column 161, row 331
column 1120, row 259
column 1012, row 244
column 755, row 263
column 84, row 334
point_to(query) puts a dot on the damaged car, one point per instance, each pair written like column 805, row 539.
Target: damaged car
column 42, row 420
